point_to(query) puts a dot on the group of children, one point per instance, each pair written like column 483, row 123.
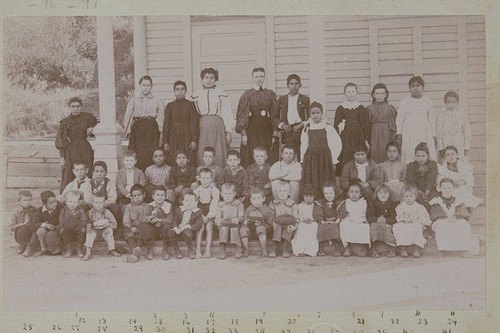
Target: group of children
column 390, row 195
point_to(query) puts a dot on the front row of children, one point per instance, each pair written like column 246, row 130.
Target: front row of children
column 352, row 226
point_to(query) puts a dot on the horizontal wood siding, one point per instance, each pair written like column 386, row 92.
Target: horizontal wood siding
column 291, row 51
column 347, row 53
column 165, row 53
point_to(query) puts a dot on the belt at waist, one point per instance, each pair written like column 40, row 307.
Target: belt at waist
column 145, row 118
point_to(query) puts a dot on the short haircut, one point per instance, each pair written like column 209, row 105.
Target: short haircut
column 380, row 86
column 228, row 187
column 180, row 83
column 101, row 164
column 159, row 148
column 446, row 180
column 292, row 77
column 354, row 183
column 258, row 69
column 451, row 94
column 99, row 195
column 206, row 170
column 209, row 149
column 308, row 189
column 137, row 187
column 328, row 184
column 382, row 187
column 233, row 152
column 360, row 147
column 73, row 193
column 393, row 144
column 422, row 146
column 350, row 84
column 261, row 149
column 159, row 188
column 189, row 192
column 410, row 188
column 417, row 79
column 129, row 153
column 283, row 184
column 450, row 148
column 46, row 195
column 181, row 152
column 146, row 77
column 210, row 71
column 75, row 99
column 257, row 190
column 285, row 146
column 80, row 163
column 24, row 194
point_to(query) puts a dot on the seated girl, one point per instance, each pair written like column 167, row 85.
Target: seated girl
column 354, row 229
column 305, row 240
column 381, row 214
column 461, row 174
column 393, row 170
column 449, row 214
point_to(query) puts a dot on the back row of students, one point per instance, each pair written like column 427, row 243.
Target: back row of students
column 207, row 121
column 96, row 205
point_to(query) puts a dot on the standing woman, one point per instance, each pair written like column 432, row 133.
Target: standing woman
column 143, row 123
column 216, row 117
column 253, row 119
column 182, row 125
column 71, row 140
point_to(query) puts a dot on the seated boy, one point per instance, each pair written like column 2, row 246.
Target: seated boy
column 157, row 175
column 208, row 163
column 80, row 171
column 72, row 223
column 258, row 172
column 158, row 224
column 48, row 216
column 288, row 170
column 182, row 175
column 364, row 169
column 258, row 219
column 286, row 219
column 127, row 177
column 135, row 214
column 187, row 221
column 230, row 213
column 209, row 196
column 234, row 173
column 100, row 184
column 100, row 221
column 24, row 223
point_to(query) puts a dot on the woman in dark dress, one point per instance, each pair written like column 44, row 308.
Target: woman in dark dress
column 71, row 140
column 352, row 122
column 253, row 119
column 181, row 127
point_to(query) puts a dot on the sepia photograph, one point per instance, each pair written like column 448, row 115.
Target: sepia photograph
column 244, row 163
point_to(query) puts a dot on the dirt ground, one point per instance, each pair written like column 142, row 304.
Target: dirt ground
column 53, row 283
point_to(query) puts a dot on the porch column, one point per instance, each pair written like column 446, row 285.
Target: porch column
column 140, row 50
column 108, row 133
column 316, row 38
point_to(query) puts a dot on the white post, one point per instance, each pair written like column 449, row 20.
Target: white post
column 140, row 50
column 316, row 38
column 108, row 142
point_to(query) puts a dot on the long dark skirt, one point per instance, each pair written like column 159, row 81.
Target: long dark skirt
column 260, row 133
column 77, row 151
column 144, row 137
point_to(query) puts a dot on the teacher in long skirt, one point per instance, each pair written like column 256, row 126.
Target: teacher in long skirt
column 216, row 118
column 253, row 119
column 143, row 123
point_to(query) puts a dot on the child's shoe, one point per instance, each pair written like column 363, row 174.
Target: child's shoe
column 80, row 251
column 392, row 252
column 237, row 255
column 41, row 253
column 272, row 251
column 165, row 254
column 21, row 249
column 347, row 252
column 264, row 253
column 191, row 253
column 136, row 251
column 114, row 253
column 402, row 252
column 178, row 252
column 27, row 253
column 416, row 252
column 222, row 254
column 149, row 253
column 246, row 252
column 67, row 252
column 286, row 253
column 87, row 254
column 375, row 254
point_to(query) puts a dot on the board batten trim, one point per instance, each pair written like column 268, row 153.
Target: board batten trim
column 462, row 61
column 186, row 51
column 140, row 49
column 316, row 44
column 417, row 49
column 374, row 72
column 270, row 54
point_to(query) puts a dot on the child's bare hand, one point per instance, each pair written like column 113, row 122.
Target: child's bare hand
column 50, row 226
column 218, row 223
column 275, row 225
column 291, row 228
column 235, row 220
column 267, row 186
column 133, row 229
column 246, row 222
column 381, row 219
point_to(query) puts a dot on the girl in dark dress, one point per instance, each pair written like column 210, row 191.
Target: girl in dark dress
column 71, row 140
column 381, row 214
column 181, row 127
column 320, row 147
column 353, row 125
column 253, row 119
